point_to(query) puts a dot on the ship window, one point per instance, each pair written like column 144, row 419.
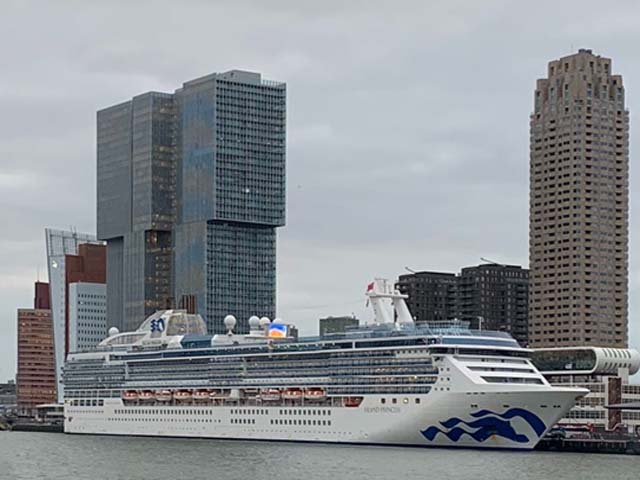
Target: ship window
column 383, row 400
column 394, row 400
column 417, row 400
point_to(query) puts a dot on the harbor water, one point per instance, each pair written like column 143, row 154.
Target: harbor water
column 51, row 456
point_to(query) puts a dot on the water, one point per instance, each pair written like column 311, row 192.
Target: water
column 51, row 456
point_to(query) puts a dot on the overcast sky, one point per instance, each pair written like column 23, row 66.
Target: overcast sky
column 407, row 126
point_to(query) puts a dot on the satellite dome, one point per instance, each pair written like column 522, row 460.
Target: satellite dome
column 264, row 321
column 278, row 320
column 230, row 322
column 254, row 322
column 113, row 331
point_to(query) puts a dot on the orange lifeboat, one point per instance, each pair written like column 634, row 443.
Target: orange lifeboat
column 201, row 395
column 130, row 395
column 315, row 394
column 164, row 395
column 270, row 395
column 183, row 395
column 292, row 394
column 352, row 401
column 145, row 395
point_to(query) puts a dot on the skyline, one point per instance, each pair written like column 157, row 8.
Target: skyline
column 384, row 119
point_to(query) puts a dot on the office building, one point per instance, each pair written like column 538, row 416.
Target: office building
column 136, row 150
column 59, row 244
column 191, row 187
column 432, row 295
column 333, row 325
column 87, row 315
column 495, row 297
column 85, row 294
column 579, row 204
column 35, row 379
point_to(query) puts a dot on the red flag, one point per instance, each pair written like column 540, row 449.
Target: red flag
column 370, row 286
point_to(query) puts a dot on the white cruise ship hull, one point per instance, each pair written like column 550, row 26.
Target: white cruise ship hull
column 499, row 418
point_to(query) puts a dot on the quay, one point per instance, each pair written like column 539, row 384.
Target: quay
column 625, row 446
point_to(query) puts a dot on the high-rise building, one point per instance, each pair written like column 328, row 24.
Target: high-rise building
column 60, row 244
column 35, row 379
column 191, row 187
column 579, row 203
column 495, row 297
column 136, row 150
column 331, row 325
column 432, row 295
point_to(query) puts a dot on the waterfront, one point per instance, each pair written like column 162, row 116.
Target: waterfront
column 31, row 456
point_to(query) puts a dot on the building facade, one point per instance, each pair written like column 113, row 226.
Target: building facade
column 36, row 378
column 85, row 292
column 136, row 155
column 87, row 315
column 495, row 297
column 432, row 295
column 331, row 325
column 191, row 187
column 489, row 296
column 8, row 400
column 605, row 372
column 579, row 204
column 61, row 243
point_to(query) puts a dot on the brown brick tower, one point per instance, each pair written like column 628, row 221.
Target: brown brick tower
column 579, row 205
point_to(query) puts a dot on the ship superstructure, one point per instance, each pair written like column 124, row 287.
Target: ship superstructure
column 393, row 382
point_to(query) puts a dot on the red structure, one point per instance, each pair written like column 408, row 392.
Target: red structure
column 42, row 300
column 89, row 266
column 36, row 379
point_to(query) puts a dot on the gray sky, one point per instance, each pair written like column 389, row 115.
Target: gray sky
column 407, row 126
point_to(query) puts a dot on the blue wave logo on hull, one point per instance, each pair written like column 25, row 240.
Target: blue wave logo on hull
column 488, row 424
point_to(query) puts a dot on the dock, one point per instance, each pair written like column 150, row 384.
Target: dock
column 624, row 446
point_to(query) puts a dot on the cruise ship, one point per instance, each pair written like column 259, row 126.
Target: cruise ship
column 391, row 382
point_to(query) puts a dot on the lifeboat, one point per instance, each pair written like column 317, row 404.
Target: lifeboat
column 292, row 394
column 201, row 395
column 129, row 395
column 270, row 395
column 182, row 395
column 352, row 401
column 164, row 395
column 315, row 394
column 145, row 395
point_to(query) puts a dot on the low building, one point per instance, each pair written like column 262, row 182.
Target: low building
column 36, row 379
column 605, row 373
column 8, row 400
column 333, row 325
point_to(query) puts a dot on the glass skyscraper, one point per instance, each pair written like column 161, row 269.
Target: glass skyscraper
column 191, row 187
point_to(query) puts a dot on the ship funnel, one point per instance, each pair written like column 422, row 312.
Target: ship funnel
column 381, row 289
